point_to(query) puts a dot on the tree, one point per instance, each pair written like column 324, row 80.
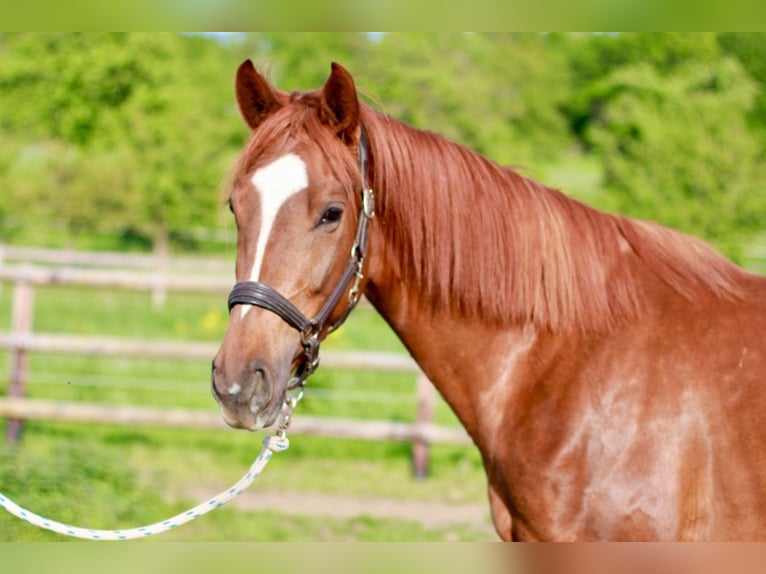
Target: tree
column 677, row 149
column 750, row 50
column 301, row 60
column 498, row 94
column 119, row 132
column 594, row 57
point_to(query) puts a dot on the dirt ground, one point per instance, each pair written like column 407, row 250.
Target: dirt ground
column 430, row 514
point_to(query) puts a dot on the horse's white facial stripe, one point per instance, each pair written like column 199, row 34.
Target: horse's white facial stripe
column 274, row 183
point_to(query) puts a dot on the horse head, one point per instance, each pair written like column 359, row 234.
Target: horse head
column 301, row 209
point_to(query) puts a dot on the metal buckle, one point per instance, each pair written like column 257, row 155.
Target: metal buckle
column 310, row 338
column 368, row 202
column 353, row 294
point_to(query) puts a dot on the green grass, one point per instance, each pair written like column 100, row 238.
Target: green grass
column 230, row 525
column 107, row 477
column 103, row 475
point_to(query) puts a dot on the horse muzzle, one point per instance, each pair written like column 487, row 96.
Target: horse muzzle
column 250, row 399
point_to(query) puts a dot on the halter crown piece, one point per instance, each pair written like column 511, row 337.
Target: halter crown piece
column 266, row 297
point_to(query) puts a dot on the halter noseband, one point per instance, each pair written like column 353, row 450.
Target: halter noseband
column 266, row 297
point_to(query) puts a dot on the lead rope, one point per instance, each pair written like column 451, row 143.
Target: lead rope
column 271, row 444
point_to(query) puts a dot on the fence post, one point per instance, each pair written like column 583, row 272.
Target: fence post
column 424, row 416
column 2, row 262
column 21, row 325
column 161, row 264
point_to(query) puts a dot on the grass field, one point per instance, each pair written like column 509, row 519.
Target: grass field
column 104, row 476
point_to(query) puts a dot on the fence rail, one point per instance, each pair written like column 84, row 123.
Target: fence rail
column 117, row 346
column 113, row 259
column 81, row 269
column 113, row 279
column 23, row 408
column 159, row 266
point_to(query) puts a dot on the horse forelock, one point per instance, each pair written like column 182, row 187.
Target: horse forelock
column 297, row 126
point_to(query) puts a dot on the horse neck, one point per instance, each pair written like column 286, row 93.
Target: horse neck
column 462, row 343
column 471, row 302
column 463, row 358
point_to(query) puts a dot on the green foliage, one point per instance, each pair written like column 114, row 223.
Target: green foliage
column 677, row 149
column 750, row 50
column 491, row 92
column 594, row 57
column 115, row 132
column 598, row 55
column 87, row 192
column 132, row 134
column 301, row 60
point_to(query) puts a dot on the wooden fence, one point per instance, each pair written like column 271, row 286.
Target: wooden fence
column 158, row 265
column 22, row 340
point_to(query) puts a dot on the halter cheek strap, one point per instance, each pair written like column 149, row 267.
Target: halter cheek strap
column 261, row 295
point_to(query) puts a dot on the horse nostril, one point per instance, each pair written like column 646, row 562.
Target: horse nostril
column 260, row 382
column 243, row 392
column 256, row 365
column 214, row 387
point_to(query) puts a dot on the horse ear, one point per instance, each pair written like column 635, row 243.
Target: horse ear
column 340, row 104
column 255, row 97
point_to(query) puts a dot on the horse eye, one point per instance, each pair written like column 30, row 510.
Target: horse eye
column 331, row 215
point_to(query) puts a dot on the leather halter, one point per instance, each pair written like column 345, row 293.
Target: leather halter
column 266, row 297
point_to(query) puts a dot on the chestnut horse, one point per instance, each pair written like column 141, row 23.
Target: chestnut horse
column 611, row 372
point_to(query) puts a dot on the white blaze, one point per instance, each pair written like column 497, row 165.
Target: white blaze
column 274, row 183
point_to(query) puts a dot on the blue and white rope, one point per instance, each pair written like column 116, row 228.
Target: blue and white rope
column 271, row 444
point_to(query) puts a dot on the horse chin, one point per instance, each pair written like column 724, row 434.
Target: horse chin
column 266, row 419
column 253, row 421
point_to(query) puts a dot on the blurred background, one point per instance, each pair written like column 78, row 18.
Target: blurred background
column 117, row 252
